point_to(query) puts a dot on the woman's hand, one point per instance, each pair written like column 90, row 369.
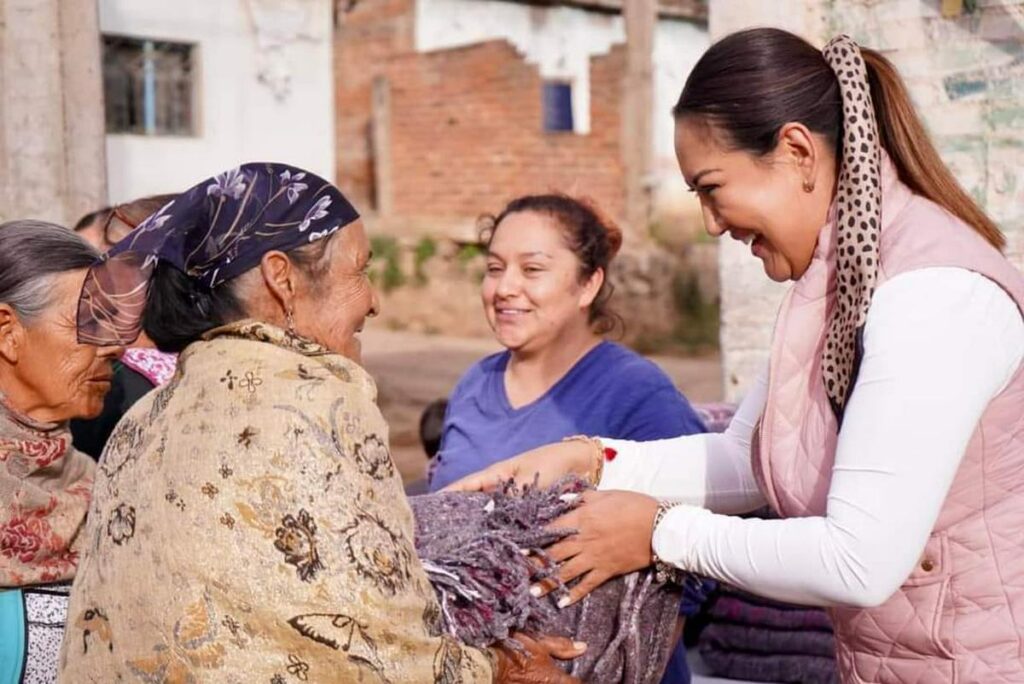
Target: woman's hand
column 548, row 463
column 536, row 666
column 613, row 537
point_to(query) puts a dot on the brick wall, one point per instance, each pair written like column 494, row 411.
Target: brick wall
column 367, row 35
column 966, row 76
column 467, row 133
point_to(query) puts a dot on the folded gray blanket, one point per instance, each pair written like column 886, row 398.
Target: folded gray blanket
column 754, row 638
column 473, row 548
column 775, row 642
column 735, row 609
column 759, row 667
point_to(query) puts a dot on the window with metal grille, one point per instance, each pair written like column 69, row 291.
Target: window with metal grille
column 148, row 86
column 558, row 107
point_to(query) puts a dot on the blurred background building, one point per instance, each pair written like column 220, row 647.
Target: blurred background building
column 429, row 113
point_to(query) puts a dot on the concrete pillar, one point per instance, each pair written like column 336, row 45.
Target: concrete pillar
column 380, row 137
column 637, row 140
column 52, row 161
column 85, row 127
column 749, row 299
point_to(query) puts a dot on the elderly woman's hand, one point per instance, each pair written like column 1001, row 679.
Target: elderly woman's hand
column 548, row 464
column 536, row 666
column 613, row 537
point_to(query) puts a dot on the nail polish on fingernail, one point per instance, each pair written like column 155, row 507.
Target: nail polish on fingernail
column 535, row 591
column 525, row 552
column 579, row 645
column 564, row 601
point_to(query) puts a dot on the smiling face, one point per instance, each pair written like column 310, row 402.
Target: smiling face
column 333, row 309
column 762, row 202
column 46, row 373
column 531, row 291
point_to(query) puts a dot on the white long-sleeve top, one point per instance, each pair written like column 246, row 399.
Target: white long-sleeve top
column 939, row 344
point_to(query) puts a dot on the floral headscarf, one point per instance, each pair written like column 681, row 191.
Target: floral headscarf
column 212, row 232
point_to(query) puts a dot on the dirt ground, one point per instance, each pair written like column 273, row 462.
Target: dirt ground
column 413, row 369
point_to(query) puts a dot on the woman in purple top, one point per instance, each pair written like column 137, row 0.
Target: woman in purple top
column 545, row 294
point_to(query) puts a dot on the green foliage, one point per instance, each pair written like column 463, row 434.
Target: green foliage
column 467, row 253
column 386, row 269
column 698, row 324
column 425, row 250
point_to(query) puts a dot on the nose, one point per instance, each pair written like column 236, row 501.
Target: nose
column 712, row 225
column 508, row 284
column 374, row 303
column 111, row 351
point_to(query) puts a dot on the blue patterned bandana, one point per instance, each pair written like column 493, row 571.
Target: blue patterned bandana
column 212, row 232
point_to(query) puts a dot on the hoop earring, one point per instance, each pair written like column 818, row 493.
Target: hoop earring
column 289, row 321
column 808, row 186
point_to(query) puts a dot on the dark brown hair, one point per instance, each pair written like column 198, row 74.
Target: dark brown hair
column 751, row 83
column 128, row 215
column 593, row 238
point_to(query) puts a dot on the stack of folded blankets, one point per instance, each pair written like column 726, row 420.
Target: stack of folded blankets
column 741, row 636
column 757, row 639
column 473, row 548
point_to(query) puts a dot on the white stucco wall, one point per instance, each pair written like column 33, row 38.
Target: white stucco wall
column 677, row 47
column 561, row 41
column 264, row 90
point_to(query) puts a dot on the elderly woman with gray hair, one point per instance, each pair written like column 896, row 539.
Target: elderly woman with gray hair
column 46, row 378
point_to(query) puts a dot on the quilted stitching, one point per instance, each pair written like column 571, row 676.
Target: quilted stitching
column 964, row 622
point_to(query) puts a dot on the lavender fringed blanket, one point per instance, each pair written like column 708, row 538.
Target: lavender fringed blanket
column 472, row 548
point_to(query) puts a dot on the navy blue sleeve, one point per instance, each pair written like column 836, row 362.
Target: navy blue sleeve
column 656, row 409
column 455, row 400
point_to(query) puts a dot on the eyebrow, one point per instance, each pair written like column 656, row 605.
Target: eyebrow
column 525, row 255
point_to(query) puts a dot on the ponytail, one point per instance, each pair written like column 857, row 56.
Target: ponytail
column 910, row 148
column 750, row 83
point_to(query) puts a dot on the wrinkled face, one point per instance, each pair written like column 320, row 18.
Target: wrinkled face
column 531, row 291
column 333, row 311
column 52, row 377
column 758, row 201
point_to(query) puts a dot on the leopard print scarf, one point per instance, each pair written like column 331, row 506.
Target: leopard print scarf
column 859, row 223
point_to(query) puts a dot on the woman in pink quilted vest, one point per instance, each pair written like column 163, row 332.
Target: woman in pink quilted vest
column 888, row 428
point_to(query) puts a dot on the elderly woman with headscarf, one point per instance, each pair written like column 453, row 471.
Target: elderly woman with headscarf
column 46, row 378
column 248, row 523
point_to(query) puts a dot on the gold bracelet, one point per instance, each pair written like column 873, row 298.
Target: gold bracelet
column 594, row 476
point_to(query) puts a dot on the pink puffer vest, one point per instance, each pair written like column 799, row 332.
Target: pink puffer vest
column 959, row 617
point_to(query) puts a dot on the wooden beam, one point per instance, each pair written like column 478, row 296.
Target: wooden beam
column 637, row 139
column 689, row 10
column 380, row 132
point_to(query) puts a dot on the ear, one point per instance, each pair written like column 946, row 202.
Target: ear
column 591, row 288
column 798, row 146
column 12, row 334
column 279, row 275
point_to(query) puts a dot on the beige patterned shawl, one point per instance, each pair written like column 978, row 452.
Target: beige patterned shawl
column 44, row 495
column 249, row 525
